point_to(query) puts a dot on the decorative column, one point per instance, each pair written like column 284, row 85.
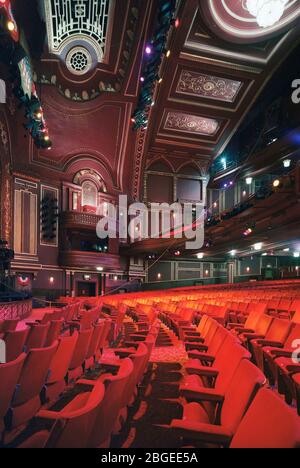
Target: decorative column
column 6, row 186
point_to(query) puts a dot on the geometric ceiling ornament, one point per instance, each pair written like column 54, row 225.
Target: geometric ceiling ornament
column 186, row 123
column 78, row 23
column 250, row 20
column 208, row 86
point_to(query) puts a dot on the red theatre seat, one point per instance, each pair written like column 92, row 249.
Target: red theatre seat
column 37, row 336
column 71, row 426
column 27, row 401
column 268, row 424
column 9, row 377
column 233, row 404
column 114, row 401
column 60, row 363
column 15, row 343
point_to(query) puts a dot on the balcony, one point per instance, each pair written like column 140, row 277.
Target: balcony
column 90, row 260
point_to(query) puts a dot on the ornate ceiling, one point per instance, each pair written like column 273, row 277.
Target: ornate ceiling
column 232, row 20
column 209, row 84
column 208, row 87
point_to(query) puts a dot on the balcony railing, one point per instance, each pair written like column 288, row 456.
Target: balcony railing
column 71, row 219
column 90, row 260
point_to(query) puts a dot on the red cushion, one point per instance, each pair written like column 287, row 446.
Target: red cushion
column 89, row 209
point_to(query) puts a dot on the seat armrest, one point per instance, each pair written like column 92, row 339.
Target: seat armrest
column 194, row 339
column 201, row 356
column 196, row 346
column 231, row 326
column 282, row 353
column 124, row 353
column 195, row 393
column 202, row 432
column 133, row 343
column 253, row 336
column 273, row 344
column 244, row 330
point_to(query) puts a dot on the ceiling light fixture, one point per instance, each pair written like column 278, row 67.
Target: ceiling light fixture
column 10, row 26
column 258, row 246
column 249, row 180
column 266, row 12
column 287, row 163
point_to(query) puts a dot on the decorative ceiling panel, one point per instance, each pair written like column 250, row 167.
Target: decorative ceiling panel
column 185, row 123
column 208, row 86
column 71, row 20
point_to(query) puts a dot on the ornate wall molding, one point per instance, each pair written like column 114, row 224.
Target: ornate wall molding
column 138, row 163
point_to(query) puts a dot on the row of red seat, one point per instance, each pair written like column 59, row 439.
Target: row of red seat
column 35, row 380
column 226, row 402
column 94, row 414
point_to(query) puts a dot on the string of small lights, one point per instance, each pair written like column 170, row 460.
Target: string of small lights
column 14, row 55
column 154, row 52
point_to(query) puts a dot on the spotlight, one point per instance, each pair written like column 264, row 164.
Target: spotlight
column 248, row 232
column 177, row 23
column 168, row 54
column 148, row 50
column 10, row 26
column 160, row 80
column 46, row 138
column 287, row 163
column 142, row 79
column 232, row 253
column 249, row 180
column 276, row 183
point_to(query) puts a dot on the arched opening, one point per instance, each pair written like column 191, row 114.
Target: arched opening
column 89, row 194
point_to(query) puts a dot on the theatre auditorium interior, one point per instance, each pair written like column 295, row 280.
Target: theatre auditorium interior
column 150, row 224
